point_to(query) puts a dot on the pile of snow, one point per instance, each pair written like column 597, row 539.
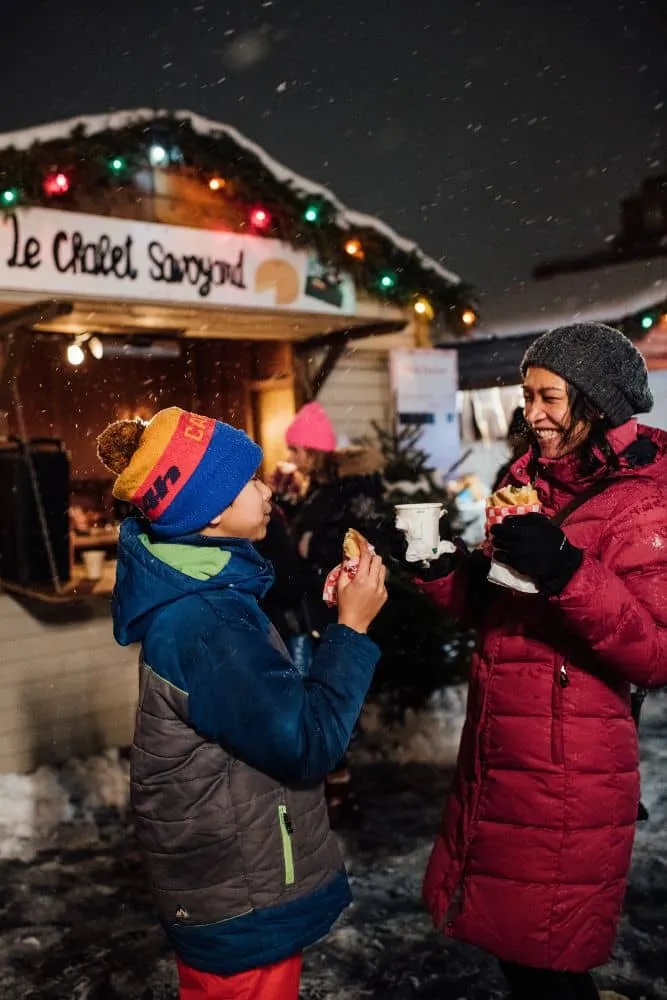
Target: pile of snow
column 35, row 806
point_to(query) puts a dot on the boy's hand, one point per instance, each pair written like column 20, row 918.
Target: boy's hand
column 360, row 599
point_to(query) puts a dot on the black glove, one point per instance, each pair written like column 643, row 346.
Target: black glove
column 535, row 546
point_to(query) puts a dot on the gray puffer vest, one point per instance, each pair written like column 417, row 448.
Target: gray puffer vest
column 220, row 838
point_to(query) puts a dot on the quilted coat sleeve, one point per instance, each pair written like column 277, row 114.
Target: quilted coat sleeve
column 246, row 694
column 618, row 605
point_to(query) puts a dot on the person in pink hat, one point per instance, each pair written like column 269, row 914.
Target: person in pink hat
column 311, row 442
column 310, row 432
column 322, row 491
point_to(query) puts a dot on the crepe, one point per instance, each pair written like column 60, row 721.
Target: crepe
column 514, row 496
column 353, row 543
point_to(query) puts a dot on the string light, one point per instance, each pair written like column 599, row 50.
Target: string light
column 56, row 184
column 157, row 156
column 312, row 213
column 9, row 197
column 468, row 317
column 117, row 165
column 387, row 281
column 353, row 248
column 260, row 218
column 647, row 322
column 216, row 183
column 423, row 308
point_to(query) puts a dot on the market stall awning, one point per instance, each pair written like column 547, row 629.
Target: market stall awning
column 123, row 319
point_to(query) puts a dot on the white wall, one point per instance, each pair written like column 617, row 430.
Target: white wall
column 357, row 392
column 66, row 688
column 658, row 415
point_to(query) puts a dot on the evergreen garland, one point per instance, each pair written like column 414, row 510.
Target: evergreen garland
column 86, row 159
column 423, row 650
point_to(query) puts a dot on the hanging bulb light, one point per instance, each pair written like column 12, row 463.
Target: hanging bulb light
column 354, row 249
column 9, row 197
column 312, row 213
column 423, row 308
column 260, row 218
column 158, row 155
column 468, row 317
column 117, row 165
column 216, row 183
column 75, row 354
column 387, row 281
column 95, row 347
column 56, row 183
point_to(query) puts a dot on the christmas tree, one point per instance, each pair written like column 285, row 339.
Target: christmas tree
column 423, row 650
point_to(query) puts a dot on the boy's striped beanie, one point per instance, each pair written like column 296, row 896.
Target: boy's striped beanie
column 180, row 469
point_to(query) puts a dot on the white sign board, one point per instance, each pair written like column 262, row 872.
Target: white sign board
column 74, row 255
column 424, row 383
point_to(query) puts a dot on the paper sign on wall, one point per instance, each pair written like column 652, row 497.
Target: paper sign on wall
column 424, row 383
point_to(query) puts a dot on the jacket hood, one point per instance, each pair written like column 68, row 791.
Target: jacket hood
column 152, row 574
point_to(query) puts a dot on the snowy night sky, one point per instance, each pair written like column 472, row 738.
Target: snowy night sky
column 494, row 132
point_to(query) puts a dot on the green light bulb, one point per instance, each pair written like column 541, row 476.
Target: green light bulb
column 647, row 322
column 9, row 197
column 387, row 280
column 117, row 165
column 311, row 214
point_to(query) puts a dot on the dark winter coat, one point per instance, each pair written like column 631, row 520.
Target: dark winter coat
column 231, row 745
column 353, row 500
column 534, row 851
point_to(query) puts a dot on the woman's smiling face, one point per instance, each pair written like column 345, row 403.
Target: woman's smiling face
column 547, row 412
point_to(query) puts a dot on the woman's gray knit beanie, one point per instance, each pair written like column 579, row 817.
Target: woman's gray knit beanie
column 600, row 362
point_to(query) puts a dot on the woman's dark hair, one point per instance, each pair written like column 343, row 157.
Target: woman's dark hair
column 594, row 452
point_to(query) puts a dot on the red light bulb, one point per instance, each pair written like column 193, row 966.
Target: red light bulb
column 55, row 184
column 260, row 218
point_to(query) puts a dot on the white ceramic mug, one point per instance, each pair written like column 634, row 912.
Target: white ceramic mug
column 420, row 523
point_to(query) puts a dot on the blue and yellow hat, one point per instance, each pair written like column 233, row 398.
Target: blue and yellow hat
column 180, row 469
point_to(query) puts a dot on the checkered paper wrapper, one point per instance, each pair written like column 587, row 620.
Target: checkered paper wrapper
column 505, row 576
column 330, row 592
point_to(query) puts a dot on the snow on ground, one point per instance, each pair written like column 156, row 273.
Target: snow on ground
column 76, row 921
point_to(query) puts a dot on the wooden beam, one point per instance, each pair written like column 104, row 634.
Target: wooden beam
column 327, row 365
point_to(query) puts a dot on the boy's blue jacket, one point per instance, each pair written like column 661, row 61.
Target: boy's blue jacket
column 231, row 745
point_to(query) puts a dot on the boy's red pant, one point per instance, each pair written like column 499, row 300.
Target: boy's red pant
column 270, row 982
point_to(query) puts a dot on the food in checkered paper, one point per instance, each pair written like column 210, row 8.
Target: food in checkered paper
column 514, row 496
column 352, row 546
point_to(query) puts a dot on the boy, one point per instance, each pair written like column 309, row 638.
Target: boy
column 231, row 744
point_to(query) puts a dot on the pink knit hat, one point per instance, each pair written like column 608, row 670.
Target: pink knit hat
column 311, row 428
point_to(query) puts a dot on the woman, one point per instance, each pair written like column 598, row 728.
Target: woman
column 311, row 441
column 533, row 855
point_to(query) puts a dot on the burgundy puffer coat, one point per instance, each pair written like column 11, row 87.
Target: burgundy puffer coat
column 532, row 858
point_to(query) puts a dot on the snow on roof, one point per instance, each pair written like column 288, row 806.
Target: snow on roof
column 347, row 218
column 609, row 294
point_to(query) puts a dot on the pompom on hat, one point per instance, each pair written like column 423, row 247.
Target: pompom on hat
column 599, row 361
column 311, row 428
column 181, row 470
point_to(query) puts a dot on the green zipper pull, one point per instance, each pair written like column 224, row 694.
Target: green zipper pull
column 286, row 831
